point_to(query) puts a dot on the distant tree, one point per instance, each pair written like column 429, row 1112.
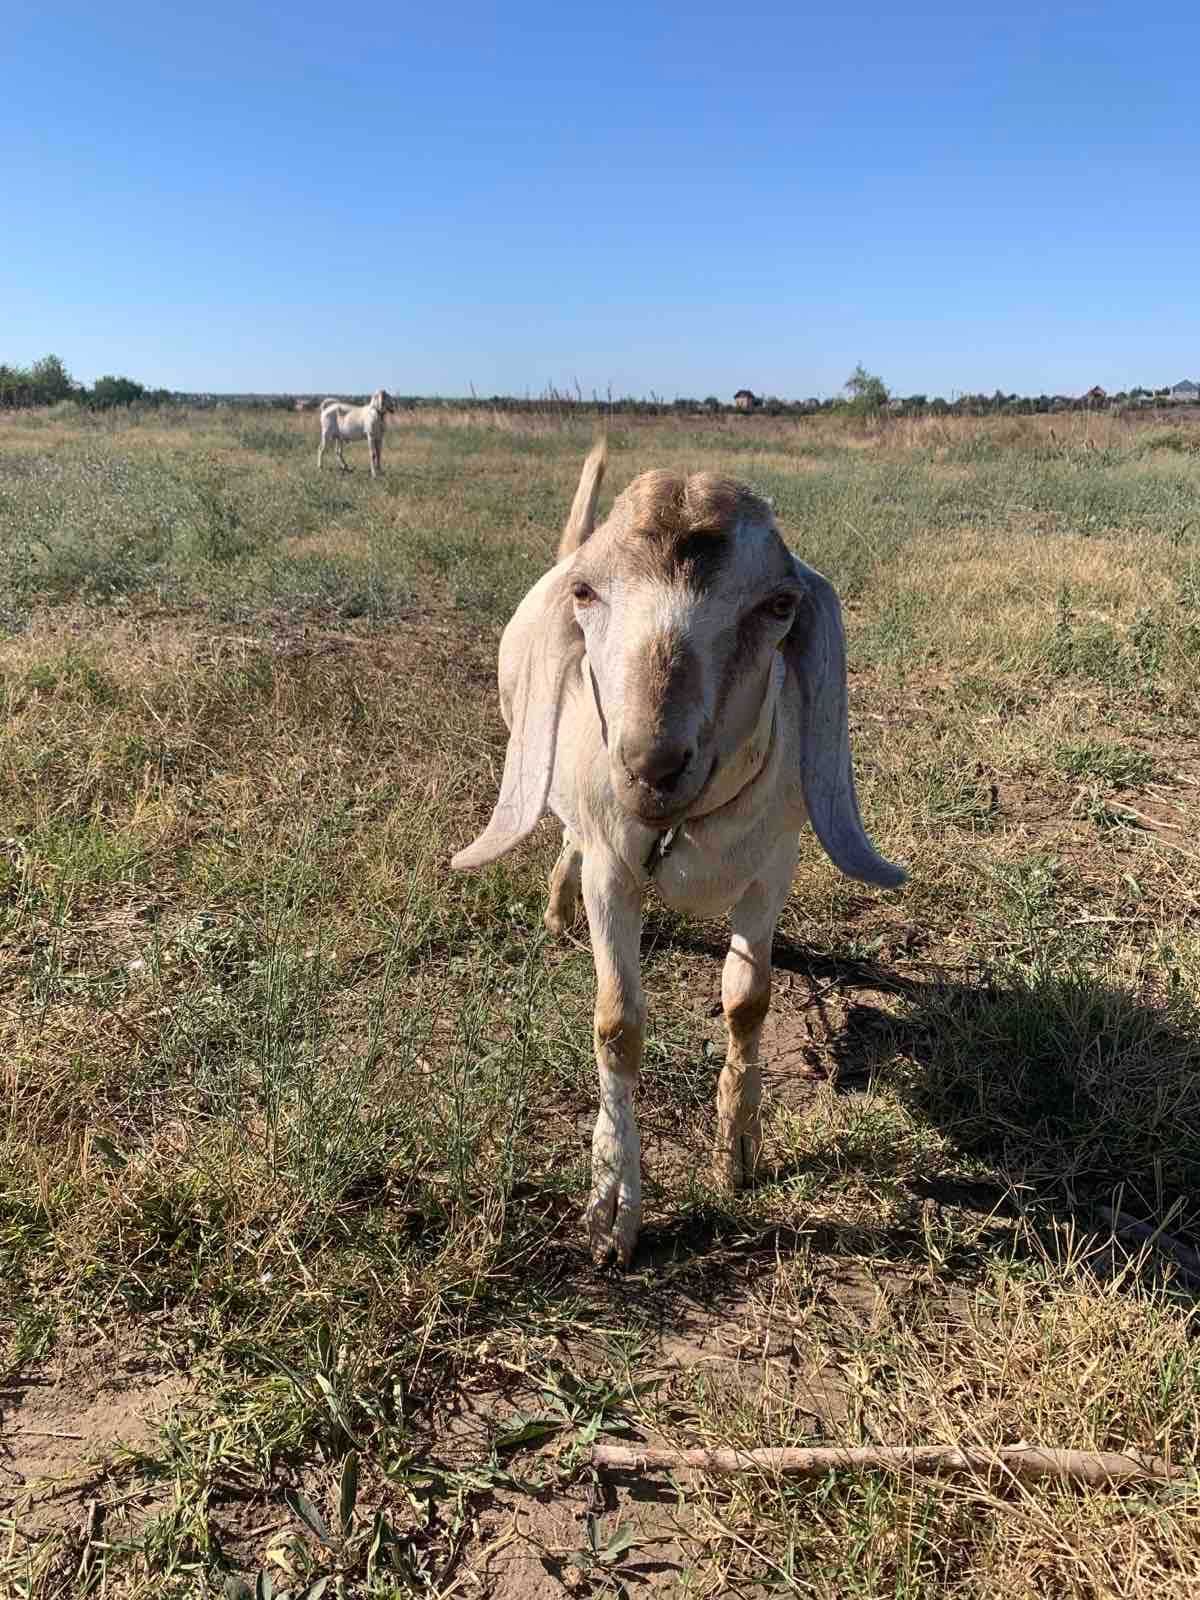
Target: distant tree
column 15, row 385
column 50, row 380
column 711, row 403
column 867, row 392
column 109, row 391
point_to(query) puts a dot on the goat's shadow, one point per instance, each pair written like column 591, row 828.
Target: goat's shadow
column 1081, row 1093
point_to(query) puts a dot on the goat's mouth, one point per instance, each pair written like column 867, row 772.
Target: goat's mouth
column 658, row 813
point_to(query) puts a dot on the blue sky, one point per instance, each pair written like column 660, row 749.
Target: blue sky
column 668, row 198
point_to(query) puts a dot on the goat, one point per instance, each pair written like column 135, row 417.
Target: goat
column 675, row 692
column 341, row 423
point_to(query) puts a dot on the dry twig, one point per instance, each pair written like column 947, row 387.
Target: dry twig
column 1023, row 1461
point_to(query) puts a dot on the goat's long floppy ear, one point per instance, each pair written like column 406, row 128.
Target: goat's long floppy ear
column 815, row 651
column 550, row 646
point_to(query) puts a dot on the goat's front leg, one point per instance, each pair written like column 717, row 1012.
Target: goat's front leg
column 562, row 907
column 341, row 457
column 746, row 999
column 614, row 911
column 374, row 448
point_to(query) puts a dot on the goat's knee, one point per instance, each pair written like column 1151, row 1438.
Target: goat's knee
column 618, row 1030
column 746, row 994
column 744, row 1017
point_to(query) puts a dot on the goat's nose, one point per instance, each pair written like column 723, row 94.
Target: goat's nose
column 657, row 765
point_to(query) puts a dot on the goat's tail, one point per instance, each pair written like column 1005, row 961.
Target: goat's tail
column 583, row 508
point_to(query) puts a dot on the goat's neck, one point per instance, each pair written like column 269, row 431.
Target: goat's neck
column 747, row 762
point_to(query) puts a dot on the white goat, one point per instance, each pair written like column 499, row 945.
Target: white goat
column 341, row 423
column 675, row 692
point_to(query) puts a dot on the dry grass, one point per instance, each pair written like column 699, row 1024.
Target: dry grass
column 296, row 1124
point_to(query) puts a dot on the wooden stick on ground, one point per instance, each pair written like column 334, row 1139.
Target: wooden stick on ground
column 1023, row 1461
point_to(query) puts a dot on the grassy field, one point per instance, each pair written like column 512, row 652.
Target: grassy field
column 295, row 1140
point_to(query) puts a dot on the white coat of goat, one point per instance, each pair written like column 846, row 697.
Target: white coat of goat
column 341, row 423
column 675, row 692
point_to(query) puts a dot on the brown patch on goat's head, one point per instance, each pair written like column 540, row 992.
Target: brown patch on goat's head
column 682, row 528
column 666, row 672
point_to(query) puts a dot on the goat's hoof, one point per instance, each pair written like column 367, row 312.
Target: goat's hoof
column 560, row 919
column 612, row 1229
column 726, row 1171
column 735, row 1164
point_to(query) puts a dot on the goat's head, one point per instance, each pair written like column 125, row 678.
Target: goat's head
column 382, row 401
column 675, row 609
column 682, row 599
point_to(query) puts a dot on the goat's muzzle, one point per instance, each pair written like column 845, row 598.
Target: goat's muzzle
column 657, row 778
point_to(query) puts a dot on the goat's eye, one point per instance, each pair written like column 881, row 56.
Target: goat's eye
column 583, row 594
column 780, row 606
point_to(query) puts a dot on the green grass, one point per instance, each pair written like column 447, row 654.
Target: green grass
column 297, row 1123
column 1115, row 764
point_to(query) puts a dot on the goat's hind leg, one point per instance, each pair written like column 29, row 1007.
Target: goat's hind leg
column 566, row 886
column 746, row 999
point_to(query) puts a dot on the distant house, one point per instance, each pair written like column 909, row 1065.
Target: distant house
column 1095, row 396
column 1186, row 393
column 746, row 400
